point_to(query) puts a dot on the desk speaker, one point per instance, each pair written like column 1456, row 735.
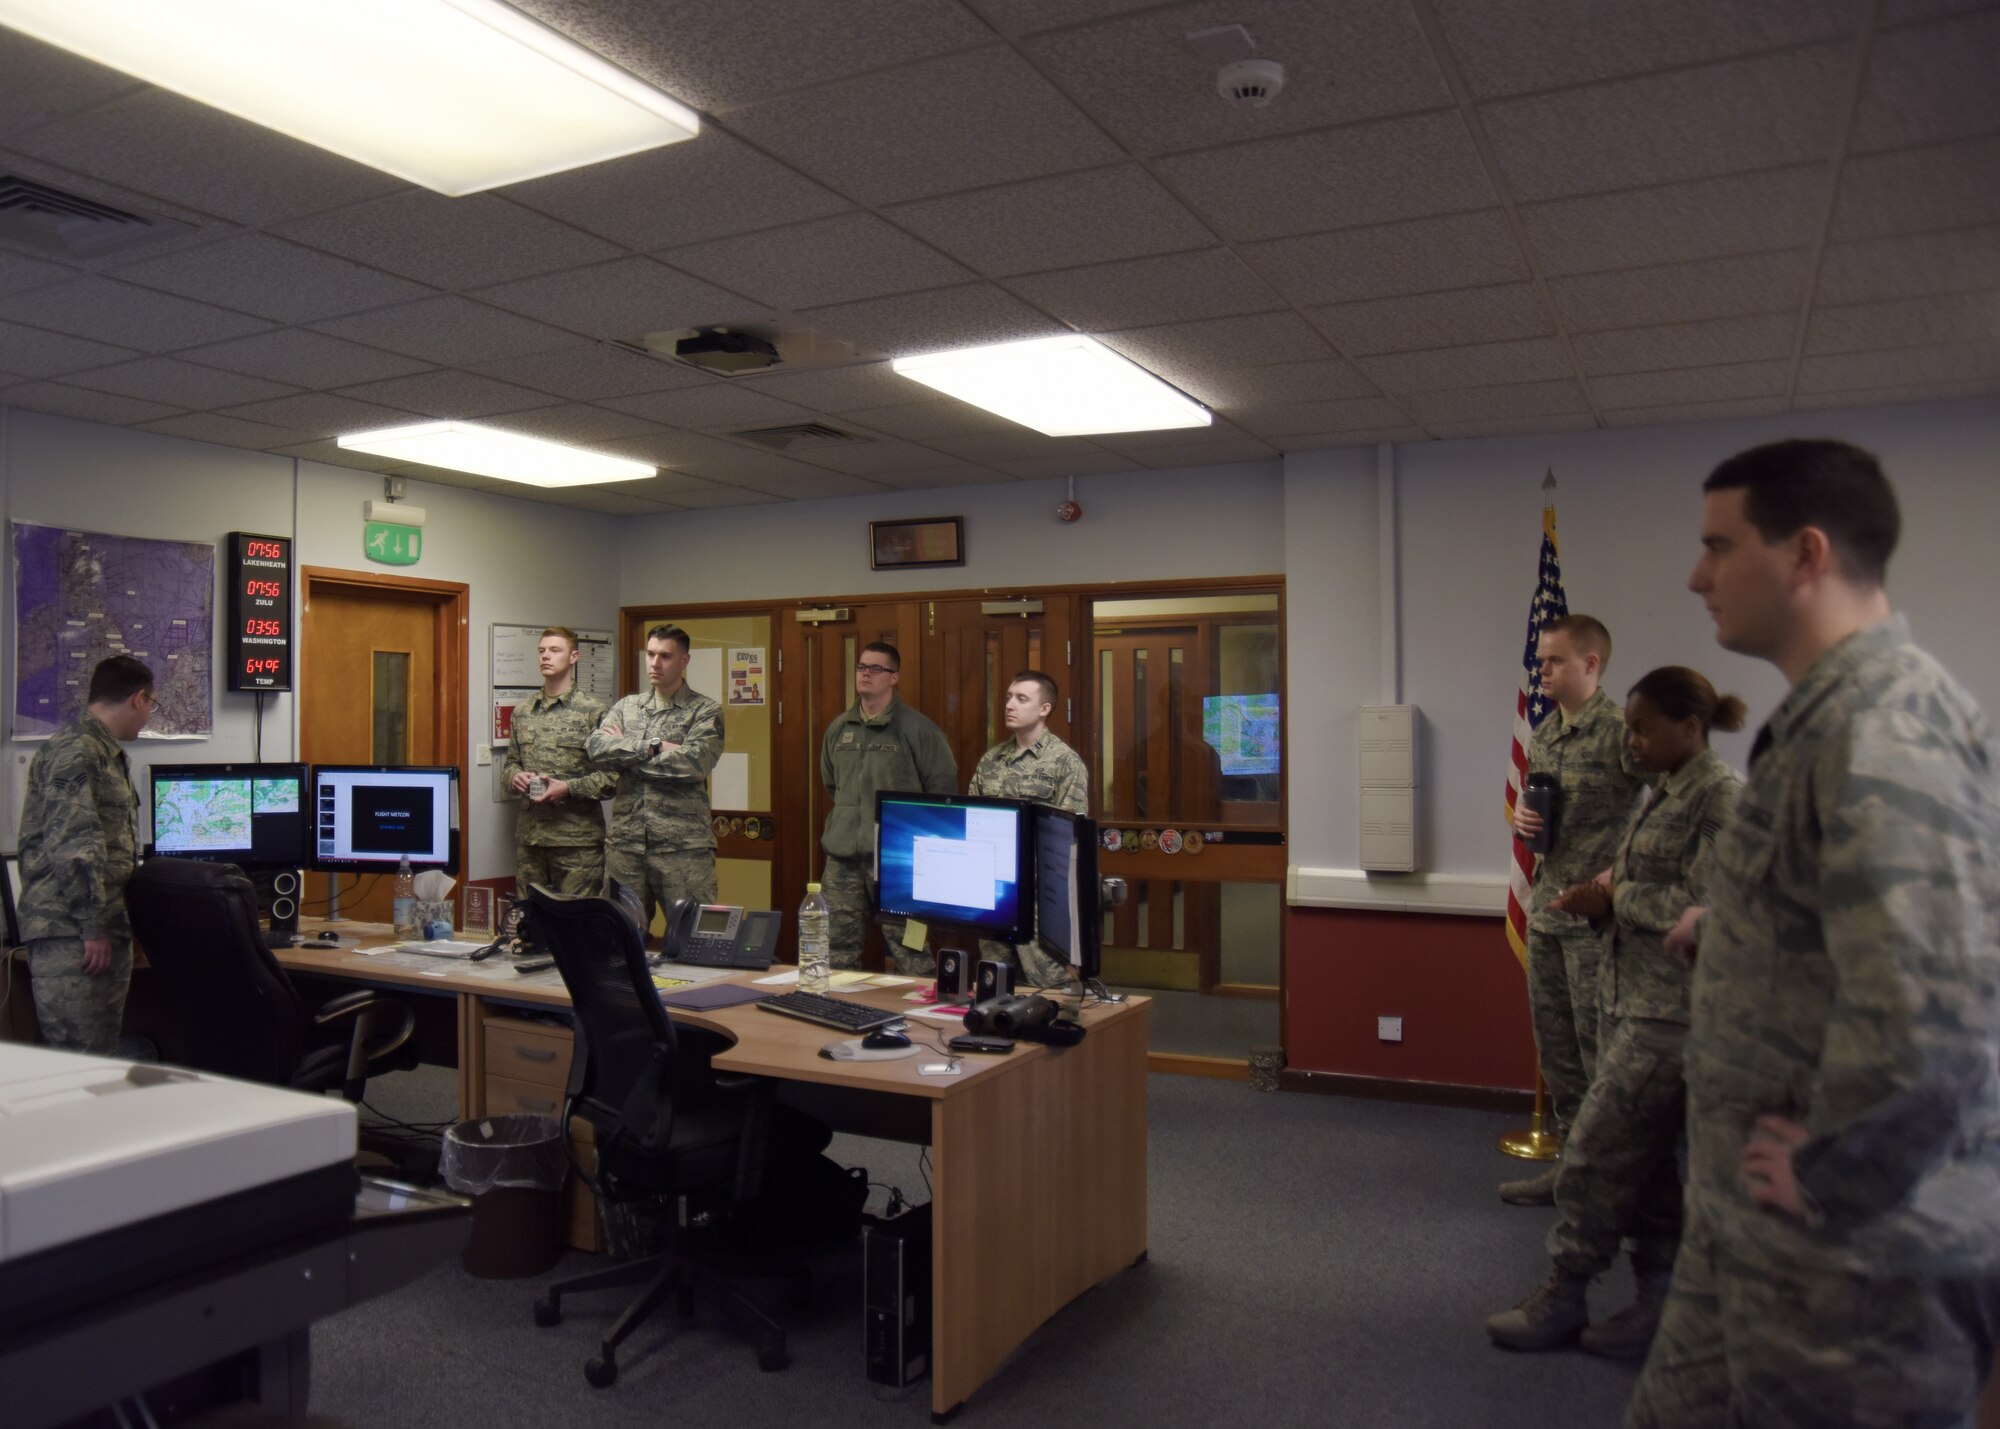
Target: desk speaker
column 279, row 894
column 954, row 974
column 994, row 978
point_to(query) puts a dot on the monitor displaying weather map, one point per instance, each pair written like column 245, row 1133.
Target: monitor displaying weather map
column 231, row 813
column 1243, row 731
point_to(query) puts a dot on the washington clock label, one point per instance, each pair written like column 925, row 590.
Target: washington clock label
column 260, row 612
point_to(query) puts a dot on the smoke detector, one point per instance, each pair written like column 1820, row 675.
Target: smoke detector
column 1250, row 83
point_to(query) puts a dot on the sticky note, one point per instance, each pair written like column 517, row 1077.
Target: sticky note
column 914, row 934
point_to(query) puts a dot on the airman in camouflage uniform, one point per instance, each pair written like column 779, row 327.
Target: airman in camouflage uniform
column 1620, row 1172
column 1582, row 745
column 1842, row 1249
column 877, row 745
column 663, row 744
column 1032, row 764
column 559, row 838
column 79, row 844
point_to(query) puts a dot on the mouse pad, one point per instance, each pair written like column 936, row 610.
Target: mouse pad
column 851, row 1050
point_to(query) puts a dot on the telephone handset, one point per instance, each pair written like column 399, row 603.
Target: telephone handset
column 720, row 935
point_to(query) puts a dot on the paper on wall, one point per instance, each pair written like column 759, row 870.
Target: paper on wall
column 729, row 785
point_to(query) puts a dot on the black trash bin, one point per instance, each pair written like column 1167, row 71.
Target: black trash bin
column 513, row 1167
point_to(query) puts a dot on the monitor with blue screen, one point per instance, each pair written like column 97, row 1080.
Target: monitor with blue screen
column 956, row 860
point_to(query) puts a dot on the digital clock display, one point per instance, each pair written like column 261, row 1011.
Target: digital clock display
column 260, row 612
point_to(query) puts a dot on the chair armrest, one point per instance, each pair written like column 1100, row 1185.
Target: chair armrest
column 348, row 1003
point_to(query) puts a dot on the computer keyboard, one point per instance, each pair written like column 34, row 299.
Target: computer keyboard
column 829, row 1011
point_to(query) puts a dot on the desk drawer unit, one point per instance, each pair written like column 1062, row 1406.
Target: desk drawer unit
column 527, row 1070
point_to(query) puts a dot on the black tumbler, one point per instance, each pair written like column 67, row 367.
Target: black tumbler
column 1538, row 795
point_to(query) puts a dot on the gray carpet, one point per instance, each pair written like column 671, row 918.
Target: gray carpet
column 1315, row 1261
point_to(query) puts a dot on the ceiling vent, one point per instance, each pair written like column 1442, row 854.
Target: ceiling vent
column 68, row 223
column 800, row 434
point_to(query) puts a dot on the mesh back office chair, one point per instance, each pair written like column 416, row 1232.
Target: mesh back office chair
column 667, row 1127
column 225, row 1006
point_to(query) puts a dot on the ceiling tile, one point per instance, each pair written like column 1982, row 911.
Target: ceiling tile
column 33, row 352
column 576, row 422
column 66, row 401
column 1464, row 250
column 828, row 260
column 1362, row 174
column 1903, row 367
column 179, row 384
column 1022, row 17
column 1046, row 468
column 674, row 449
column 44, row 82
column 1221, row 431
column 1710, row 218
column 1917, row 190
column 928, row 421
column 870, row 458
column 715, row 494
column 1259, row 389
column 1510, row 427
column 1720, row 119
column 1014, row 444
column 1718, row 341
column 1930, row 83
column 714, row 406
column 612, row 501
column 1368, row 437
column 1547, row 44
column 255, row 273
column 1682, row 292
column 818, row 486
column 983, row 117
column 1467, row 315
column 303, row 359
column 1356, row 60
column 1695, row 384
column 1891, row 13
column 18, row 272
column 1059, row 222
column 934, row 478
column 715, row 56
column 1964, row 261
column 1188, row 354
column 1905, row 322
column 587, row 371
column 110, row 311
column 841, row 389
column 326, row 451
column 625, row 299
column 1176, row 458
column 1479, row 404
column 1883, row 396
column 449, row 395
column 1695, row 412
column 1174, row 287
column 324, row 414
column 155, row 142
column 708, row 187
column 757, row 467
column 452, row 243
column 225, row 431
column 1355, row 414
column 1532, row 359
column 934, row 321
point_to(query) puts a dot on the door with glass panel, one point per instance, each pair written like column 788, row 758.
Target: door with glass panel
column 972, row 651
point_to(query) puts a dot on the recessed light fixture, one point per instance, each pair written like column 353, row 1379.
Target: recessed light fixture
column 488, row 451
column 456, row 95
column 1069, row 386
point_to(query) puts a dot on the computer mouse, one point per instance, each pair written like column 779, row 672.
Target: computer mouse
column 883, row 1040
column 329, row 936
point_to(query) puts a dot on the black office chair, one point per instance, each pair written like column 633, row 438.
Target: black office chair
column 668, row 1129
column 220, row 1003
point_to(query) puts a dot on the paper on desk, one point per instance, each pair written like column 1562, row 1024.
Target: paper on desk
column 778, row 979
column 953, row 1015
column 442, row 948
column 668, row 984
column 849, row 979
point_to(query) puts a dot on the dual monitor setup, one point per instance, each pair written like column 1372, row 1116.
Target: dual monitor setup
column 330, row 818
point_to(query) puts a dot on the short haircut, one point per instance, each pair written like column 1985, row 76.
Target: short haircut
column 1680, row 693
column 1047, row 682
column 670, row 632
column 117, row 679
column 562, row 632
column 1586, row 633
column 895, row 657
column 1788, row 486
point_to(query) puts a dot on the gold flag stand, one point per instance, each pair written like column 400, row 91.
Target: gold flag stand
column 1537, row 1143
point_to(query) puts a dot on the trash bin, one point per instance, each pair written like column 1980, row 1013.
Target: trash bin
column 513, row 1167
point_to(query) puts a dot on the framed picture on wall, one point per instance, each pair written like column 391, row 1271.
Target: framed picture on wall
column 931, row 541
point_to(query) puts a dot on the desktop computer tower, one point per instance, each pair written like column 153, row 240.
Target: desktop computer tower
column 896, row 1297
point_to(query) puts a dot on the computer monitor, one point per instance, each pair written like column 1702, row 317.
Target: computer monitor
column 957, row 860
column 1069, row 915
column 367, row 818
column 255, row 815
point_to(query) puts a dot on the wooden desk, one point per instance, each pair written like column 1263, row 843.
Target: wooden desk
column 1012, row 1138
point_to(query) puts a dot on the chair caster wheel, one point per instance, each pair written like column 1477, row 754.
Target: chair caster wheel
column 601, row 1371
column 770, row 1358
column 547, row 1313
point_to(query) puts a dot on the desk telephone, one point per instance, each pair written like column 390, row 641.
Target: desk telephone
column 719, row 935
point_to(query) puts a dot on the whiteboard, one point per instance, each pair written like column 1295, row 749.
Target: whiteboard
column 513, row 665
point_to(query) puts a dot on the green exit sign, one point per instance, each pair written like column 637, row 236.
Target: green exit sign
column 391, row 545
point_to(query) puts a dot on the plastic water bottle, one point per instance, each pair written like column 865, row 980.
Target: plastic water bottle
column 815, row 949
column 405, row 915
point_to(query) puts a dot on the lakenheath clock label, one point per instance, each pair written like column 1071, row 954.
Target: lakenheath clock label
column 260, row 612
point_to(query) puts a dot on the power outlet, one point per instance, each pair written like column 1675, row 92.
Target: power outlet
column 1388, row 1029
column 485, row 754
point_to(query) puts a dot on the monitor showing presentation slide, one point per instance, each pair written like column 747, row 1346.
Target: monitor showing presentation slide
column 254, row 815
column 957, row 860
column 370, row 817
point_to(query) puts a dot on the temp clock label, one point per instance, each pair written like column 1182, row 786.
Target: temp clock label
column 260, row 612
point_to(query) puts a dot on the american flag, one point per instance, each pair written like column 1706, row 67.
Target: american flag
column 1531, row 707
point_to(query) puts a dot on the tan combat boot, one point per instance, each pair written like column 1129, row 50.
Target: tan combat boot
column 1548, row 1319
column 1628, row 1334
column 1537, row 1190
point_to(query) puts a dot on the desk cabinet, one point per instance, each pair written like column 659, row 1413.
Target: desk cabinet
column 527, row 1070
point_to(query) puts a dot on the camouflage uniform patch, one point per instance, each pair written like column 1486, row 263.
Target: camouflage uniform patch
column 578, row 872
column 660, row 837
column 78, row 1012
column 1047, row 772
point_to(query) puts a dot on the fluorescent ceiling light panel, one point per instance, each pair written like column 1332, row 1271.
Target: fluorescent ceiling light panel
column 456, row 95
column 1069, row 386
column 488, row 451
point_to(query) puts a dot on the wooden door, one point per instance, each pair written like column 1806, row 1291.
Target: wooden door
column 383, row 682
column 971, row 656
